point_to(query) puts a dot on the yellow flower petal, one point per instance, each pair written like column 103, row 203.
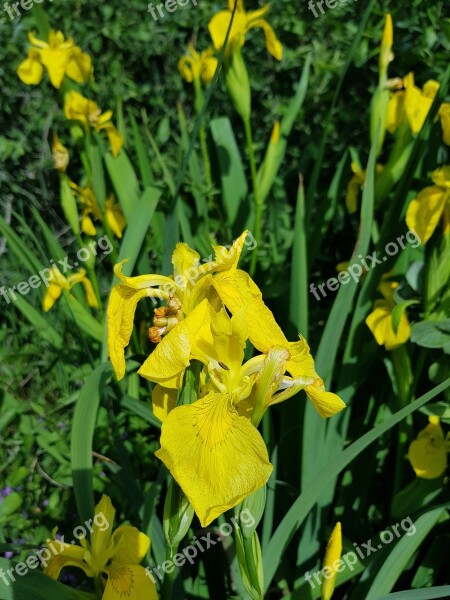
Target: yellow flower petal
column 79, row 67
column 115, row 138
column 60, row 561
column 396, row 113
column 216, row 456
column 168, row 361
column 163, row 401
column 87, row 225
column 30, row 71
column 379, row 321
column 131, row 545
column 120, row 318
column 55, row 60
column 52, row 294
column 327, row 404
column 128, row 582
column 90, row 294
column 273, row 44
column 424, row 212
column 332, row 554
column 115, row 217
column 101, row 534
column 427, row 454
column 218, row 27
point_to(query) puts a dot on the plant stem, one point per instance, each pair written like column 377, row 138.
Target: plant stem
column 258, row 204
column 199, row 102
column 169, row 577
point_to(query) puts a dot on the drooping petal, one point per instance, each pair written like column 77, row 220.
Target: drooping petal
column 209, row 66
column 128, row 582
column 115, row 138
column 396, row 113
column 163, row 401
column 87, row 225
column 216, row 456
column 120, row 318
column 273, row 44
column 90, row 294
column 131, row 545
column 30, row 71
column 424, row 212
column 326, row 403
column 72, row 558
column 168, row 361
column 115, row 217
column 52, row 294
column 79, row 67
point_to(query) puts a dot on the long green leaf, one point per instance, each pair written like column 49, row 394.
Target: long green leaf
column 402, row 552
column 442, row 591
column 83, row 427
column 306, row 501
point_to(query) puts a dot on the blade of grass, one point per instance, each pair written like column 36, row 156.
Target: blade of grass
column 311, row 495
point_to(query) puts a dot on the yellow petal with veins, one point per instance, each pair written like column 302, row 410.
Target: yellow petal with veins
column 128, row 582
column 227, row 458
column 163, row 401
column 130, row 545
column 120, row 318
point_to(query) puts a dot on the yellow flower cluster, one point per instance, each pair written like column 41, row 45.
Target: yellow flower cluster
column 194, row 66
column 212, row 447
column 58, row 284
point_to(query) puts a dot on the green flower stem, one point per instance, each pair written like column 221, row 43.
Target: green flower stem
column 199, row 102
column 256, row 200
column 169, row 577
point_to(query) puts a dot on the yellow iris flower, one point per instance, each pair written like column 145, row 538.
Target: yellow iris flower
column 90, row 208
column 428, row 452
column 212, row 447
column 380, row 319
column 60, row 154
column 242, row 23
column 432, row 203
column 180, row 317
column 79, row 108
column 411, row 104
column 113, row 558
column 194, row 66
column 332, row 554
column 58, row 283
column 59, row 56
